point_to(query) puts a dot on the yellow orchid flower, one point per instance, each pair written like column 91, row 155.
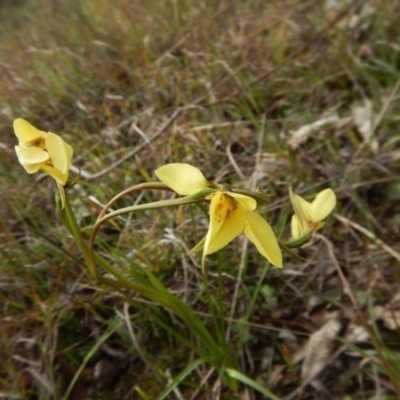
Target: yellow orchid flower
column 308, row 217
column 42, row 150
column 230, row 214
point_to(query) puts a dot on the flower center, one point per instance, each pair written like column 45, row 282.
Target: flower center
column 38, row 142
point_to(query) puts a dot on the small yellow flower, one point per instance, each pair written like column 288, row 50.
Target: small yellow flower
column 230, row 214
column 308, row 217
column 42, row 150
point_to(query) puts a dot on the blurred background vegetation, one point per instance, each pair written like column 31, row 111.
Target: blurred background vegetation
column 271, row 94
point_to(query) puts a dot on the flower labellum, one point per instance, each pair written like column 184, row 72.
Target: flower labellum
column 308, row 217
column 46, row 151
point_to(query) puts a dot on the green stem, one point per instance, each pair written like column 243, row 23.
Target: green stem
column 194, row 198
column 73, row 227
column 141, row 186
column 300, row 241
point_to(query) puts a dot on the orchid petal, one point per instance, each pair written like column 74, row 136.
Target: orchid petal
column 26, row 132
column 59, row 176
column 301, row 208
column 322, row 205
column 31, row 155
column 219, row 208
column 184, row 179
column 32, row 168
column 295, row 227
column 60, row 153
column 231, row 228
column 245, row 202
column 260, row 233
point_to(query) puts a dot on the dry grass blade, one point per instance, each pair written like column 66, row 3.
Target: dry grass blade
column 370, row 235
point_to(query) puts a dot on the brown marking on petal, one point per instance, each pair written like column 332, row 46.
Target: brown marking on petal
column 225, row 207
column 38, row 142
column 233, row 205
column 220, row 211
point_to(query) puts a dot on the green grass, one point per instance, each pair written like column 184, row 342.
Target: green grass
column 106, row 76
